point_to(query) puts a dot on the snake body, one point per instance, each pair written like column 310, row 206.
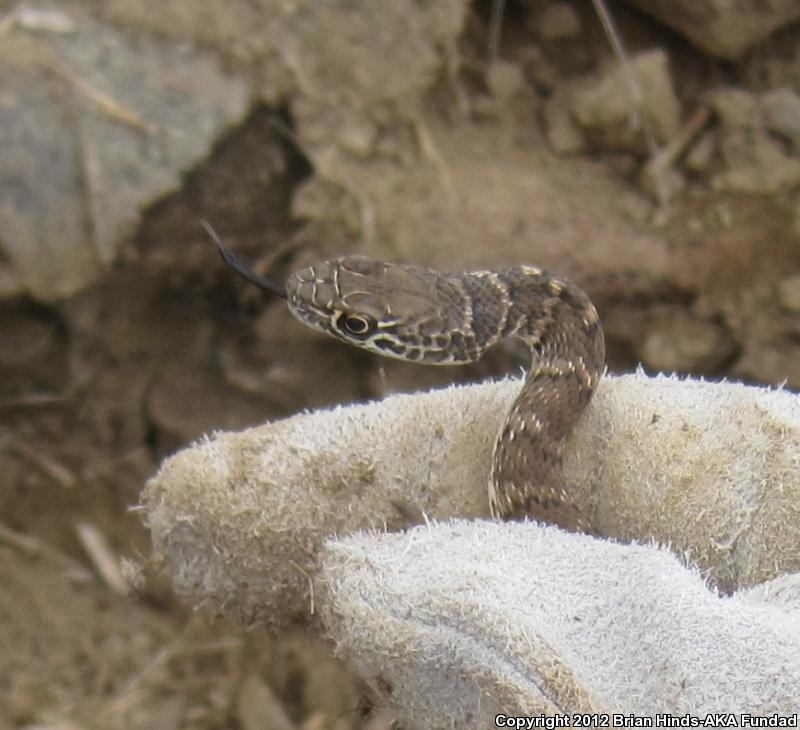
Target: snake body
column 426, row 316
column 421, row 315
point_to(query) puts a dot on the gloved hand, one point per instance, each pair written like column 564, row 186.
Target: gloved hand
column 462, row 622
column 459, row 621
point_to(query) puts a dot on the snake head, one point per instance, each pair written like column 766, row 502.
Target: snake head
column 393, row 309
column 400, row 311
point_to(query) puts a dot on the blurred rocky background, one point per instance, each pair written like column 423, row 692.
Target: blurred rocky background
column 451, row 134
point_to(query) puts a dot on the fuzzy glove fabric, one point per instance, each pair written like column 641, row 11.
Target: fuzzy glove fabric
column 456, row 620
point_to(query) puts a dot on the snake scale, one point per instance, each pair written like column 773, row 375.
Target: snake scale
column 426, row 316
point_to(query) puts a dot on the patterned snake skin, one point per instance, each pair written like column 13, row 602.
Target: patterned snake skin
column 426, row 316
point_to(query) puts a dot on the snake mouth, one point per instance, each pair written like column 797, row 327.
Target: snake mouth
column 301, row 305
column 310, row 316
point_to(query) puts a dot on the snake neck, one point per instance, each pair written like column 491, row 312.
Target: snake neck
column 553, row 316
column 561, row 326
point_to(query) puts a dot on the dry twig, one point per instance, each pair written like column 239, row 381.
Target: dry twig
column 102, row 557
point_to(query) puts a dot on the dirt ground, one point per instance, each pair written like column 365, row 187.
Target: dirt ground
column 684, row 227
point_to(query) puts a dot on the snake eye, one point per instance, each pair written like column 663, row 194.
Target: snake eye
column 356, row 324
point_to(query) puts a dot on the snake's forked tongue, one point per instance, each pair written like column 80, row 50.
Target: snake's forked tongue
column 230, row 259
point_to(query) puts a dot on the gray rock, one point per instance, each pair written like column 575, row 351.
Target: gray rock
column 109, row 128
column 782, row 113
column 504, row 79
column 604, row 107
column 754, row 162
column 723, row 28
column 789, row 293
column 558, row 21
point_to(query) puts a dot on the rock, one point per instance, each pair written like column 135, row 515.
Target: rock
column 661, row 183
column 483, row 106
column 754, row 162
column 603, row 107
column 770, row 364
column 359, row 138
column 558, row 21
column 259, row 709
column 765, row 170
column 31, row 349
column 677, row 341
column 544, row 74
column 76, row 173
column 737, row 108
column 504, row 79
column 184, row 405
column 789, row 293
column 720, row 27
column 698, row 160
column 564, row 136
column 782, row 113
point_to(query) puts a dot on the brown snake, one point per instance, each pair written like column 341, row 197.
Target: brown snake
column 421, row 315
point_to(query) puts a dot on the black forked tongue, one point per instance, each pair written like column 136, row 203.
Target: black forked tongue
column 230, row 259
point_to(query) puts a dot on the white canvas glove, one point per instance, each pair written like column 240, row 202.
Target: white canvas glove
column 711, row 470
column 461, row 622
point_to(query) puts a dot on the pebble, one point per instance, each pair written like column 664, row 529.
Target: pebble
column 544, row 74
column 602, row 105
column 679, row 342
column 723, row 28
column 754, row 161
column 504, row 79
column 558, row 21
column 563, row 135
column 782, row 113
column 789, row 293
column 698, row 160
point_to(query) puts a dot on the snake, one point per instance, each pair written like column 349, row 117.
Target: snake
column 426, row 316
